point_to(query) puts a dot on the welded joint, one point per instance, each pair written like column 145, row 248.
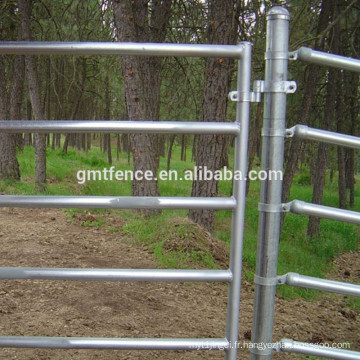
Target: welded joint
column 282, row 279
column 286, row 207
column 289, row 133
column 282, row 345
column 299, row 131
column 293, row 55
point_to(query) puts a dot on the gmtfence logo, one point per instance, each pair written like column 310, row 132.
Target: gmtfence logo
column 197, row 173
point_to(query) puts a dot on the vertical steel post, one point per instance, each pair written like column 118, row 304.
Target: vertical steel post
column 239, row 192
column 270, row 197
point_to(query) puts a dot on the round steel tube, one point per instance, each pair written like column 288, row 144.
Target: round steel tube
column 332, row 60
column 86, row 126
column 116, row 48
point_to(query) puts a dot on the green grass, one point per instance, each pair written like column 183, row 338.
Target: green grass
column 175, row 241
column 298, row 253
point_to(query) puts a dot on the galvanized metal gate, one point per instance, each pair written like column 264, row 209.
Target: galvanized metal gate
column 236, row 202
column 275, row 87
column 270, row 206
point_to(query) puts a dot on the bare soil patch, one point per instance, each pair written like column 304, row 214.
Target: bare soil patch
column 46, row 238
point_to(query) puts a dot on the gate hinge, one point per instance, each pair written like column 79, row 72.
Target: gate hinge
column 261, row 86
column 241, row 96
column 251, row 96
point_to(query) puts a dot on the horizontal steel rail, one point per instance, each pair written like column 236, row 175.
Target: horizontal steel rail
column 327, row 212
column 288, row 345
column 323, row 58
column 86, row 126
column 115, row 48
column 115, row 274
column 118, row 202
column 294, row 279
column 112, row 343
column 308, row 133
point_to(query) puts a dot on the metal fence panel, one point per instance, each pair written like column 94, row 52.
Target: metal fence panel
column 236, row 203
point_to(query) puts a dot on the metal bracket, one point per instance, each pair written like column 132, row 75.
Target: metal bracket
column 260, row 86
column 258, row 280
column 274, row 208
column 244, row 96
column 288, row 87
column 252, row 96
column 273, row 132
column 277, row 55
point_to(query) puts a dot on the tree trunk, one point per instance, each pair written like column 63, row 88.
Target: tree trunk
column 171, row 143
column 221, row 30
column 350, row 174
column 39, row 139
column 28, row 136
column 9, row 166
column 68, row 137
column 118, row 146
column 341, row 178
column 142, row 21
column 17, row 95
column 340, row 127
column 162, row 145
column 125, row 142
column 193, row 149
column 328, row 118
column 34, row 91
column 107, row 138
column 183, row 148
column 352, row 110
column 88, row 142
column 59, row 109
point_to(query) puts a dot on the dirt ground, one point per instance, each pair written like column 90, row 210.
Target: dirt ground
column 47, row 238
